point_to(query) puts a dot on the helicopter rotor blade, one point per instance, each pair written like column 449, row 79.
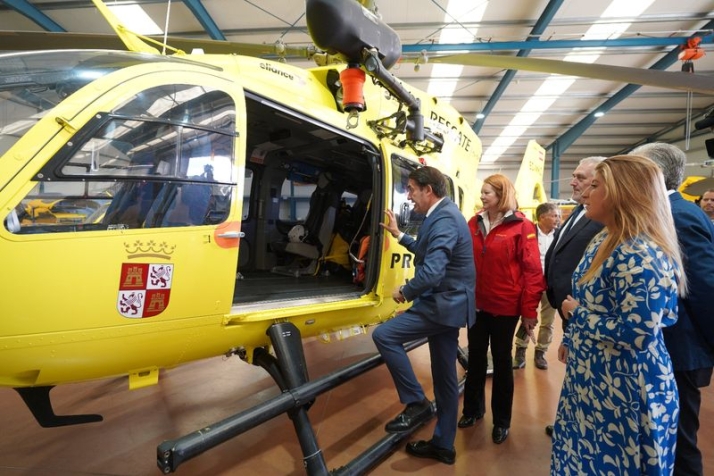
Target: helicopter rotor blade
column 645, row 77
column 30, row 40
column 33, row 41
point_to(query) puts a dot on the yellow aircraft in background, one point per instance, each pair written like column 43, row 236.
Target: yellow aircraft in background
column 529, row 181
column 694, row 186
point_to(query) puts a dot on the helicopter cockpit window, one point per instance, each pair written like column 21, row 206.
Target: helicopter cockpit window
column 173, row 165
column 450, row 190
column 409, row 221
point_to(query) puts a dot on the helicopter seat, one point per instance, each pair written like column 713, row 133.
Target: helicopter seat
column 190, row 207
column 130, row 205
column 311, row 241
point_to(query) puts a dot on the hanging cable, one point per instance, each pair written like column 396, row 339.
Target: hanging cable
column 166, row 27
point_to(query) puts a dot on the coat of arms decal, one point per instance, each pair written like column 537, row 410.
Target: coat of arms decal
column 144, row 289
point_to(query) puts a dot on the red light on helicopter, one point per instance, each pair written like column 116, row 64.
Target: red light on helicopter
column 352, row 80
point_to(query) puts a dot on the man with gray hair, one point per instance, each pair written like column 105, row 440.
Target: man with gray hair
column 690, row 342
column 442, row 291
column 571, row 240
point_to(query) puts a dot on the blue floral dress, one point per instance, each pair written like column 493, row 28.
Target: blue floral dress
column 619, row 406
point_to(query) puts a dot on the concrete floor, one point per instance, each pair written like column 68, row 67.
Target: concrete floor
column 346, row 421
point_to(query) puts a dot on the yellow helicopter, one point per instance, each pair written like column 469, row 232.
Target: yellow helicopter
column 227, row 194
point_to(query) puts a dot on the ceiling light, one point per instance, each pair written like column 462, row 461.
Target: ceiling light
column 555, row 86
column 136, row 19
column 480, row 115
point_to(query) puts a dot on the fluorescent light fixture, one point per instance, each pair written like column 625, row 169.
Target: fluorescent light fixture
column 135, row 19
column 553, row 87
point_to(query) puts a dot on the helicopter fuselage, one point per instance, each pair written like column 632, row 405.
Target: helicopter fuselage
column 152, row 208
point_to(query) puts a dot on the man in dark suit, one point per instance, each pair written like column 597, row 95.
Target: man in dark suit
column 571, row 240
column 442, row 292
column 569, row 244
column 690, row 342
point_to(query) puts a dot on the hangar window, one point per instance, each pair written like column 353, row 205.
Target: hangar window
column 163, row 158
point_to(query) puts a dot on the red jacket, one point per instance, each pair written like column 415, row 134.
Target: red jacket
column 509, row 277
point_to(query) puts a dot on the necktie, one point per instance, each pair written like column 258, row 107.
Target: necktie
column 571, row 219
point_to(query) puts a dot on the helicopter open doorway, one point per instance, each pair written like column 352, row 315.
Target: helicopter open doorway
column 311, row 194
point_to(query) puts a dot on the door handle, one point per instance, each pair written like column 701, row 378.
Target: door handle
column 404, row 214
column 232, row 235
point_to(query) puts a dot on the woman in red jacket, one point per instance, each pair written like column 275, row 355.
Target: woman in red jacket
column 509, row 284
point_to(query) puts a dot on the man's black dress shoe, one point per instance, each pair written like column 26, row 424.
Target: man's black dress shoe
column 413, row 415
column 549, row 430
column 467, row 421
column 499, row 434
column 425, row 449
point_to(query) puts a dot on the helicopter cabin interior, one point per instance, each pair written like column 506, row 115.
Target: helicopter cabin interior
column 308, row 205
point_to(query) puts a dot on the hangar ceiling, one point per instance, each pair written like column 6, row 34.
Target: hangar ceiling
column 559, row 113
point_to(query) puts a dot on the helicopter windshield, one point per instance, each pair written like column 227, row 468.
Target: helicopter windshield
column 33, row 83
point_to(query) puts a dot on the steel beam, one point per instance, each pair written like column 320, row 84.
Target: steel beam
column 538, row 29
column 205, row 19
column 639, row 42
column 25, row 8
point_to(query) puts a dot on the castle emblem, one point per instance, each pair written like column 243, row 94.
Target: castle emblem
column 144, row 289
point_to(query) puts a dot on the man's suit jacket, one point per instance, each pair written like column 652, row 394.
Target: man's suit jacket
column 444, row 281
column 563, row 257
column 690, row 341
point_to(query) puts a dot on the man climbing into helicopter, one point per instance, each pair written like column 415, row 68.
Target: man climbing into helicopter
column 442, row 292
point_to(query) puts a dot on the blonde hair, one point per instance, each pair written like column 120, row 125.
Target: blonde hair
column 505, row 191
column 635, row 190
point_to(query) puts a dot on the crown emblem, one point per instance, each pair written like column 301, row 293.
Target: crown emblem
column 150, row 249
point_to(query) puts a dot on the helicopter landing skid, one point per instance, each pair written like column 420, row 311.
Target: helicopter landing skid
column 289, row 370
column 38, row 401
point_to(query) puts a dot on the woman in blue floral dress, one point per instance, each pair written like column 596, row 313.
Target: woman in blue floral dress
column 618, row 408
